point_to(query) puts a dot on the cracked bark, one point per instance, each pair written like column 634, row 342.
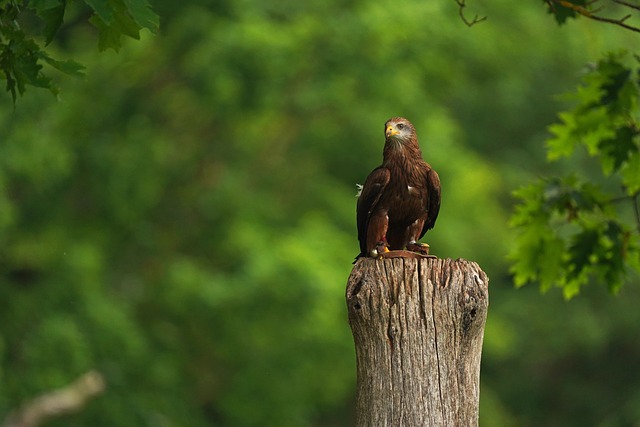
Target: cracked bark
column 418, row 326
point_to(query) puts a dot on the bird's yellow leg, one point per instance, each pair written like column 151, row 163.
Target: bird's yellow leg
column 381, row 248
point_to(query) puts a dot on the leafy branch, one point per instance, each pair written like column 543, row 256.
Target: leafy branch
column 22, row 56
column 571, row 230
column 564, row 9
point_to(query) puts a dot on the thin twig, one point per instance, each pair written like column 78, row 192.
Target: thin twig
column 476, row 19
column 624, row 3
column 618, row 22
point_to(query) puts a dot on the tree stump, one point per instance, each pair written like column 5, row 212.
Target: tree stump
column 418, row 326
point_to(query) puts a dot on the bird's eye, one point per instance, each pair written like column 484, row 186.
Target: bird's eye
column 400, row 125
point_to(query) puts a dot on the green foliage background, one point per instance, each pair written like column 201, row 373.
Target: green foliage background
column 183, row 220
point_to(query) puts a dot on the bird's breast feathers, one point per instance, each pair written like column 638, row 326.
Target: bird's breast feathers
column 412, row 191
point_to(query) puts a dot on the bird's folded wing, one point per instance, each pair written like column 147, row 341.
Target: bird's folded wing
column 369, row 197
column 433, row 200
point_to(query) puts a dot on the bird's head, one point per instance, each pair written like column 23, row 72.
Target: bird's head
column 399, row 129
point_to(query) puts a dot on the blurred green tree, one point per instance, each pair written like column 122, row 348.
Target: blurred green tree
column 184, row 221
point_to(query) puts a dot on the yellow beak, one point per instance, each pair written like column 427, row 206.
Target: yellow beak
column 391, row 131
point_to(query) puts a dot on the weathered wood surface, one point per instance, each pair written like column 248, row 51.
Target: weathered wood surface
column 418, row 326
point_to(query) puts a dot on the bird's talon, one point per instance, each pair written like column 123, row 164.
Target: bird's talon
column 421, row 248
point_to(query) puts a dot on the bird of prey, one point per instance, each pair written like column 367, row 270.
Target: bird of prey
column 400, row 199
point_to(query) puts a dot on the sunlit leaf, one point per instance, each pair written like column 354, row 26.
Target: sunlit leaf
column 69, row 67
column 103, row 10
column 52, row 13
column 142, row 14
column 615, row 151
column 563, row 143
column 581, row 250
column 612, row 265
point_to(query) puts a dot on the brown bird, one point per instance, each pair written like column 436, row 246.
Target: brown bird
column 400, row 199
